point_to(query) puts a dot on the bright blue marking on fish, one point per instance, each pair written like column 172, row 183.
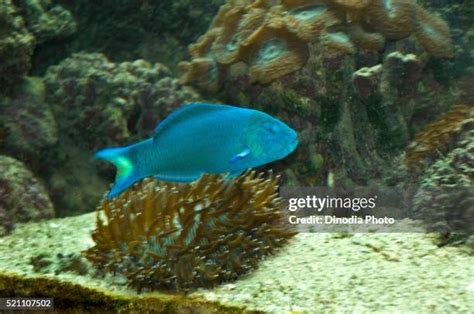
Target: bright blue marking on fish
column 240, row 156
column 202, row 138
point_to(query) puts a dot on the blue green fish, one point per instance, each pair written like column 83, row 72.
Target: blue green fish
column 202, row 138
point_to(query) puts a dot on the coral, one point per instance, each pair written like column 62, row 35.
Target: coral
column 47, row 21
column 352, row 4
column 105, row 102
column 306, row 19
column 433, row 33
column 367, row 79
column 394, row 19
column 183, row 236
column 438, row 137
column 273, row 37
column 22, row 196
column 365, row 39
column 274, row 52
column 16, row 45
column 203, row 72
column 24, row 25
column 28, row 122
column 400, row 73
column 355, row 110
column 445, row 197
column 338, row 41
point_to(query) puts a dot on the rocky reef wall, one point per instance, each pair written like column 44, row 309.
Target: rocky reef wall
column 356, row 79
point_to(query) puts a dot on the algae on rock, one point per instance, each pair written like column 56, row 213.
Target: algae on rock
column 16, row 45
column 28, row 121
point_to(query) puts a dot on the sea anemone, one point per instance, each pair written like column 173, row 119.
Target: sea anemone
column 183, row 236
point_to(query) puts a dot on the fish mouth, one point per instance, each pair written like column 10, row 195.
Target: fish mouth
column 294, row 138
column 293, row 141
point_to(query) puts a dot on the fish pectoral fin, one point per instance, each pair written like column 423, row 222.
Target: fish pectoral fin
column 245, row 153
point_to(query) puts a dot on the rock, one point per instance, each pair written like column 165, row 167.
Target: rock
column 22, row 196
column 102, row 103
column 24, row 25
column 48, row 21
column 29, row 125
column 16, row 45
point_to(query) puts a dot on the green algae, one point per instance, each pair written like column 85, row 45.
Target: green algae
column 69, row 296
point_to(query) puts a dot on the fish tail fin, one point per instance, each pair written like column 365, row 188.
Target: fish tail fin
column 122, row 158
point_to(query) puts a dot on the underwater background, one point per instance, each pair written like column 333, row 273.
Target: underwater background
column 380, row 93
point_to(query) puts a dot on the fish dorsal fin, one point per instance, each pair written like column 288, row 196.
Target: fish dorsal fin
column 193, row 110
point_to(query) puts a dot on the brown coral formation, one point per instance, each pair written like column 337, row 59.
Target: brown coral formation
column 270, row 57
column 394, row 19
column 429, row 32
column 182, row 236
column 365, row 39
column 438, row 137
column 272, row 37
column 352, row 4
